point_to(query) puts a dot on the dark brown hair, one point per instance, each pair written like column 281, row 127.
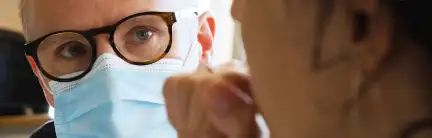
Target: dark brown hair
column 413, row 17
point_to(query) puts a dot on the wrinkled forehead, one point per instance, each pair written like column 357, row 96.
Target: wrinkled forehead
column 45, row 16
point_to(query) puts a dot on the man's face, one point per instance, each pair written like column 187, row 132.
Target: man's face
column 47, row 16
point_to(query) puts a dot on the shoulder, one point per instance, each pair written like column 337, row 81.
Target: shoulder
column 45, row 131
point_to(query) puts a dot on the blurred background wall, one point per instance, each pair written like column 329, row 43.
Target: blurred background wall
column 9, row 19
column 9, row 15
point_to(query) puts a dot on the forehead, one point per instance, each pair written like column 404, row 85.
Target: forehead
column 45, row 16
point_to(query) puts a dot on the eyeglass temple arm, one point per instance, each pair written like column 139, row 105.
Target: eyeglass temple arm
column 186, row 13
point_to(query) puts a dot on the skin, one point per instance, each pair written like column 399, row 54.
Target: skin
column 212, row 103
column 47, row 16
column 326, row 84
column 331, row 83
column 330, row 80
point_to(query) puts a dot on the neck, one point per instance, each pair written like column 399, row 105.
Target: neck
column 398, row 96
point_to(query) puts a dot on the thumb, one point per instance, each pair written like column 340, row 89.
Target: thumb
column 231, row 111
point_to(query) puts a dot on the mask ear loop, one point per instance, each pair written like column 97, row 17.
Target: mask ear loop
column 47, row 89
column 190, row 13
column 42, row 81
column 189, row 61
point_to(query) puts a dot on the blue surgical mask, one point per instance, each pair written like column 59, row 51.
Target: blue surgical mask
column 115, row 100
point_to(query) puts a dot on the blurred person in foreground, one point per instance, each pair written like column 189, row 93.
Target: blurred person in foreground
column 102, row 63
column 320, row 69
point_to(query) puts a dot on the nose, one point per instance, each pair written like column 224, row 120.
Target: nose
column 103, row 45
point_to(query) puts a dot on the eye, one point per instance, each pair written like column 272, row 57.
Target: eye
column 73, row 50
column 141, row 34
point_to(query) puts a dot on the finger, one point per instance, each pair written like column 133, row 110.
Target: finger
column 229, row 113
column 242, row 82
column 177, row 92
column 198, row 120
column 184, row 110
column 232, row 66
column 197, row 123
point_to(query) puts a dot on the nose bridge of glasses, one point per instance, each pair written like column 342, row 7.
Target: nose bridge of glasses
column 102, row 39
column 103, row 30
column 103, row 44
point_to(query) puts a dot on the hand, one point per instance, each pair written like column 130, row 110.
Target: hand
column 212, row 104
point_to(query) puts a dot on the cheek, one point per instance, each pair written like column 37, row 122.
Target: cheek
column 237, row 9
column 281, row 56
column 173, row 53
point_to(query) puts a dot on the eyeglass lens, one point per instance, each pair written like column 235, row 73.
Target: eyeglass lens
column 139, row 39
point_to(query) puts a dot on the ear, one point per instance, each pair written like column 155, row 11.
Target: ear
column 207, row 29
column 48, row 96
column 371, row 31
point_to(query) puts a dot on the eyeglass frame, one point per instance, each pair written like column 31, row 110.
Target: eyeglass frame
column 31, row 47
